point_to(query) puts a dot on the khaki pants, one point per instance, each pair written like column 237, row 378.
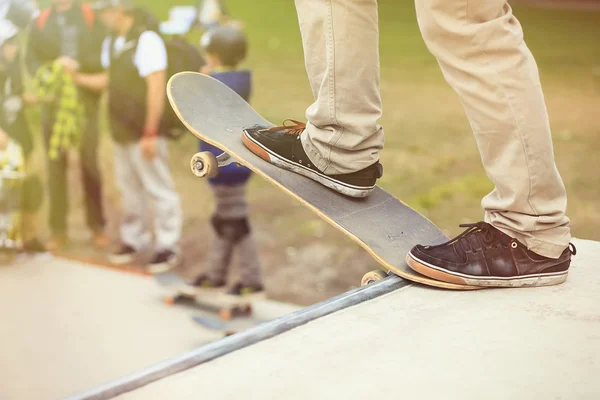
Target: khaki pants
column 479, row 46
column 144, row 185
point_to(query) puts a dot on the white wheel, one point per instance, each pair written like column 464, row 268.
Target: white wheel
column 373, row 276
column 204, row 165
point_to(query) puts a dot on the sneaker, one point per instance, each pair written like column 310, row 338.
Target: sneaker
column 484, row 256
column 164, row 261
column 124, row 255
column 204, row 282
column 239, row 289
column 34, row 246
column 282, row 146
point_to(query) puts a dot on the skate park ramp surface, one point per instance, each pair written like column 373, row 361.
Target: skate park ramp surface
column 67, row 326
column 422, row 343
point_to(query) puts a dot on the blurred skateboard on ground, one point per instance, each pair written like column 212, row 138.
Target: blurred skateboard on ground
column 226, row 306
column 12, row 174
column 227, row 328
column 383, row 225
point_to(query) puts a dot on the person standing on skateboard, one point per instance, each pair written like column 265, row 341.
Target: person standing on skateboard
column 479, row 46
column 69, row 30
column 225, row 47
column 136, row 61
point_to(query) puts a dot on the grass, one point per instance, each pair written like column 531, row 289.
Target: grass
column 431, row 159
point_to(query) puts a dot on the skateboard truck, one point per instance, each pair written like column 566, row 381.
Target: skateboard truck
column 206, row 165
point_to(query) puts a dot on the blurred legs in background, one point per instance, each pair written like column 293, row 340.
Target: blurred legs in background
column 90, row 174
column 144, row 184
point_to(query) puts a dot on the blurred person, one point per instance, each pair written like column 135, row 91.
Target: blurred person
column 225, row 48
column 479, row 46
column 68, row 31
column 136, row 61
column 211, row 13
column 14, row 124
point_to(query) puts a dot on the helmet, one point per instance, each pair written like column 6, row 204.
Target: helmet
column 226, row 42
column 19, row 12
column 7, row 31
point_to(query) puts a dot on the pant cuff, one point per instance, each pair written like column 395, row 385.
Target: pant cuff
column 543, row 247
column 315, row 157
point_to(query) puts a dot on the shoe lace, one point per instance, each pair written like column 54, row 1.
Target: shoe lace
column 481, row 230
column 290, row 126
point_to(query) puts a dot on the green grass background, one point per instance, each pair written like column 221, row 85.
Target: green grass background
column 431, row 159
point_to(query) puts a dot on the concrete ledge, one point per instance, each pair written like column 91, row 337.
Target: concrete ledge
column 541, row 343
column 241, row 340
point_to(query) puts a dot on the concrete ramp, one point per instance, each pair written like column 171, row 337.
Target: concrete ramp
column 541, row 343
column 66, row 326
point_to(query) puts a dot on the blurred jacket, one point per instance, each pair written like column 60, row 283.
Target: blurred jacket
column 46, row 42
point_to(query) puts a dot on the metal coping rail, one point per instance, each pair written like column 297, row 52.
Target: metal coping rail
column 240, row 340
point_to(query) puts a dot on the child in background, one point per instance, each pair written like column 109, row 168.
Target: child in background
column 225, row 48
column 14, row 124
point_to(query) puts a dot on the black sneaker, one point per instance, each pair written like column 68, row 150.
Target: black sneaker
column 164, row 261
column 34, row 246
column 484, row 256
column 239, row 289
column 281, row 146
column 204, row 282
column 124, row 255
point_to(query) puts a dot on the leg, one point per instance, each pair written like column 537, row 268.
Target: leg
column 232, row 211
column 339, row 146
column 92, row 180
column 57, row 181
column 159, row 186
column 32, row 195
column 216, row 264
column 134, row 230
column 341, row 52
column 480, row 48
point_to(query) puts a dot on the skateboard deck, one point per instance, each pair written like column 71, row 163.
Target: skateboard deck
column 383, row 225
column 227, row 328
column 214, row 300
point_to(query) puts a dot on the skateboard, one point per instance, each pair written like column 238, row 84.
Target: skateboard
column 227, row 328
column 383, row 225
column 226, row 306
column 11, row 178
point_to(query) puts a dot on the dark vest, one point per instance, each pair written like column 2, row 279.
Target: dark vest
column 241, row 82
column 127, row 92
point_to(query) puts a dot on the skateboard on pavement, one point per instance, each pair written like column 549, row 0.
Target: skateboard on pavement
column 226, row 306
column 383, row 225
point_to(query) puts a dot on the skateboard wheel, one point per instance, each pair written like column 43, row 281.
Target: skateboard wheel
column 373, row 276
column 225, row 315
column 204, row 165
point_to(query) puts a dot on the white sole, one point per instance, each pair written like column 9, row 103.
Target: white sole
column 120, row 260
column 532, row 280
column 340, row 187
